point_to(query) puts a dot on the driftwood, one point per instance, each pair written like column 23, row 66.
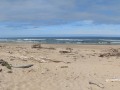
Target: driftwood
column 113, row 80
column 25, row 66
column 39, row 46
column 36, row 46
column 9, row 66
column 110, row 52
column 6, row 64
column 0, row 70
column 99, row 85
column 68, row 50
column 50, row 48
column 64, row 66
column 96, row 83
column 64, row 52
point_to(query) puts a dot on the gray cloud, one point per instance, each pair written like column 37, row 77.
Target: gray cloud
column 46, row 12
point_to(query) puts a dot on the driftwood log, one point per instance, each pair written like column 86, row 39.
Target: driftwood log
column 25, row 66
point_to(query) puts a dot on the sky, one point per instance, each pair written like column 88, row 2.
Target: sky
column 59, row 17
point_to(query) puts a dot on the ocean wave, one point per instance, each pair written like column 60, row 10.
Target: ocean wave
column 69, row 39
column 3, row 39
column 64, row 40
column 31, row 39
column 115, row 42
column 112, row 40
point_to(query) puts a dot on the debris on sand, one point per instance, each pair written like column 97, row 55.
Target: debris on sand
column 64, row 66
column 111, row 52
column 51, row 48
column 55, row 61
column 99, row 85
column 9, row 72
column 6, row 64
column 68, row 50
column 2, row 46
column 36, row 46
column 40, row 47
column 0, row 70
column 113, row 80
column 25, row 66
column 64, row 52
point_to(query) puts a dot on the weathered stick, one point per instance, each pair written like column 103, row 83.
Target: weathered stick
column 26, row 66
column 113, row 80
column 99, row 85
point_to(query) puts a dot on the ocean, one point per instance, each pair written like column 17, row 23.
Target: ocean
column 65, row 40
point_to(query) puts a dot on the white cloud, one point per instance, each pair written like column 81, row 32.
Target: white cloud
column 60, row 11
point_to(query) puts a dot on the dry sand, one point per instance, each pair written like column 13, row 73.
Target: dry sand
column 60, row 67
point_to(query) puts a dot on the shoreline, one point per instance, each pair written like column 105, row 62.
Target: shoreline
column 65, row 40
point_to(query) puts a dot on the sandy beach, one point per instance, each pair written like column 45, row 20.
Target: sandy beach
column 59, row 67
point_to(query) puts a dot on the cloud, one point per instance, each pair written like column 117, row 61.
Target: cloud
column 51, row 12
column 87, row 27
